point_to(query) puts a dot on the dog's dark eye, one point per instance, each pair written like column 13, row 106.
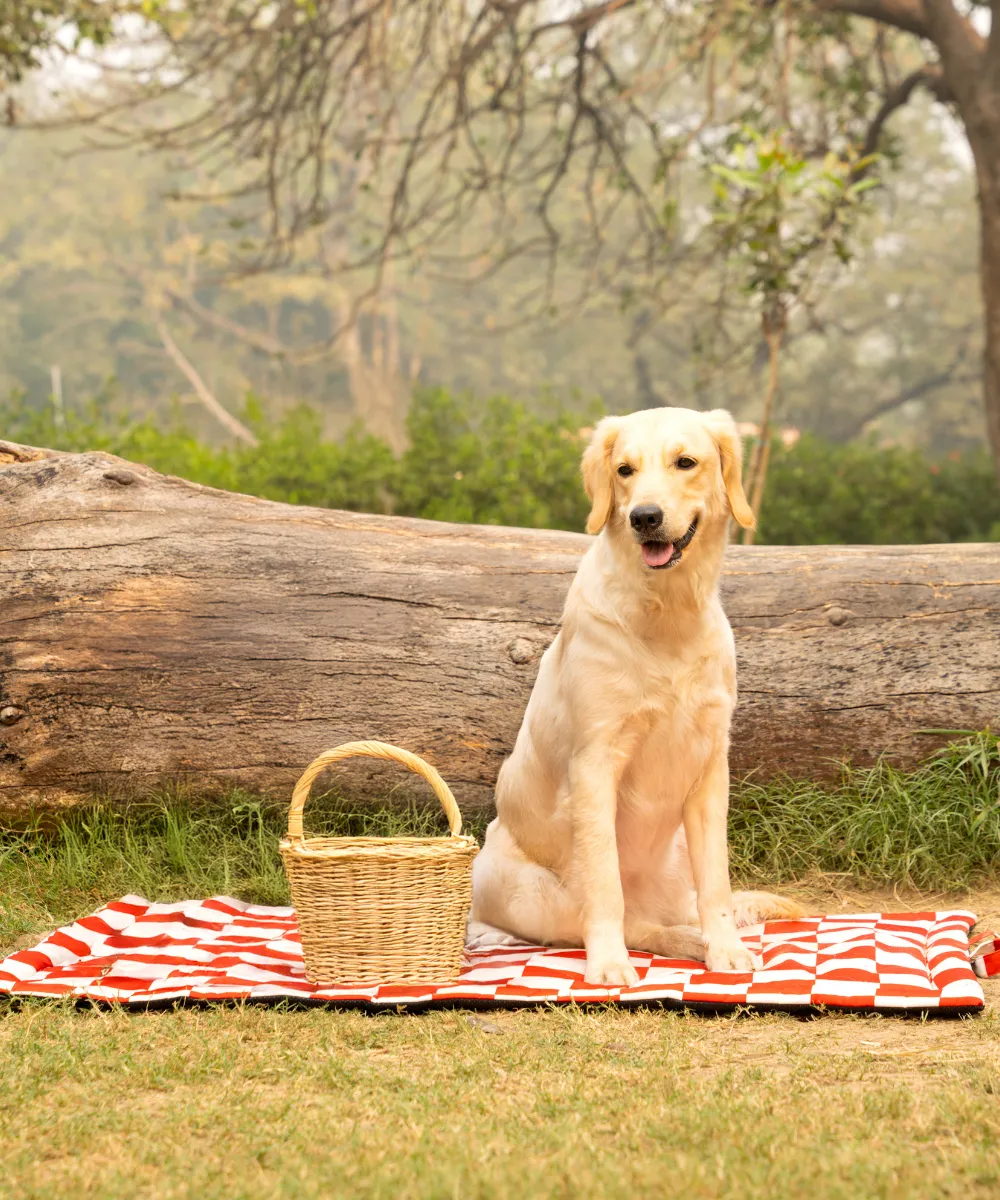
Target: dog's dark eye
column 625, row 470
column 685, row 464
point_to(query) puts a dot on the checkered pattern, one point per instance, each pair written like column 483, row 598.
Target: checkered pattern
column 985, row 952
column 139, row 954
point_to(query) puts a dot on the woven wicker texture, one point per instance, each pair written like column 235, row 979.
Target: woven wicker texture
column 379, row 909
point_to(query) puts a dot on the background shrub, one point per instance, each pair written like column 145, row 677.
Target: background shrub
column 505, row 463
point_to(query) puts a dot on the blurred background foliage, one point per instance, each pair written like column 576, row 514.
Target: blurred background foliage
column 455, row 384
column 507, row 462
column 91, row 251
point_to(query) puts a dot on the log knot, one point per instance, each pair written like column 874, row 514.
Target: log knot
column 521, row 651
column 124, row 478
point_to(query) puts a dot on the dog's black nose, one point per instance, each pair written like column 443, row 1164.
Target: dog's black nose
column 646, row 518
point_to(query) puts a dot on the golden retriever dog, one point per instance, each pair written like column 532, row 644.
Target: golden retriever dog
column 612, row 809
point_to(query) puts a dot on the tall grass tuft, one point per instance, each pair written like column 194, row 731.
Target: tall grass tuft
column 175, row 847
column 934, row 828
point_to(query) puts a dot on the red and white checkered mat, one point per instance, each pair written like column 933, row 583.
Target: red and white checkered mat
column 139, row 954
column 985, row 951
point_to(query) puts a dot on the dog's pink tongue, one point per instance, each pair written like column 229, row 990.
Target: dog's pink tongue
column 657, row 554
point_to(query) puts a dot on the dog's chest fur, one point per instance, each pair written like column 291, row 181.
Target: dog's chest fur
column 682, row 701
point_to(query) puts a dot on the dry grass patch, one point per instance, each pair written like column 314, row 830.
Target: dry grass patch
column 269, row 1102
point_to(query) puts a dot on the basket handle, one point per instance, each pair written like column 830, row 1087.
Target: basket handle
column 370, row 750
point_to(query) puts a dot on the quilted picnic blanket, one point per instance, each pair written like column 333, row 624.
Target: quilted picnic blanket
column 138, row 954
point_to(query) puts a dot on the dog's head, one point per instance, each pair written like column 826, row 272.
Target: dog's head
column 659, row 475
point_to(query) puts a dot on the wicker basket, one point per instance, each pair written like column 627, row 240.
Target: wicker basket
column 378, row 910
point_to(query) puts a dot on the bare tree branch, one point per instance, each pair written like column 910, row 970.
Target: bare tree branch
column 906, row 15
column 929, row 76
column 923, row 387
column 256, row 339
column 204, row 394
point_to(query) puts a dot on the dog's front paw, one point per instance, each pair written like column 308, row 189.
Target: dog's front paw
column 610, row 971
column 732, row 956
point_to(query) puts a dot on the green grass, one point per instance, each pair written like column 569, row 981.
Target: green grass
column 175, row 847
column 936, row 828
column 261, row 1103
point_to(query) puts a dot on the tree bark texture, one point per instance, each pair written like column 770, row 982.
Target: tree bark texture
column 152, row 629
column 984, row 137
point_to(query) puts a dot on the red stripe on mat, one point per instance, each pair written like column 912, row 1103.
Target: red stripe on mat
column 222, row 949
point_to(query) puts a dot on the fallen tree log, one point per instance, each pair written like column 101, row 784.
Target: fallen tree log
column 154, row 629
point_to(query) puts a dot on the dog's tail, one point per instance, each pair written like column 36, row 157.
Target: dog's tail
column 751, row 908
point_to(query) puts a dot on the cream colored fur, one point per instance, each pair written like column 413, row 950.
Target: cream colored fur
column 612, row 808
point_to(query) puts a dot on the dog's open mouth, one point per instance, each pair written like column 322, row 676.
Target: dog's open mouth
column 660, row 555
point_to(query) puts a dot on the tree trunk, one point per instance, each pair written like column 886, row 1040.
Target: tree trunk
column 154, row 629
column 986, row 151
column 773, row 332
column 377, row 387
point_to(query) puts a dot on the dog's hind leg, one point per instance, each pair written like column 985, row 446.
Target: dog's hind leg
column 667, row 941
column 751, row 908
column 514, row 899
column 512, row 895
column 479, row 936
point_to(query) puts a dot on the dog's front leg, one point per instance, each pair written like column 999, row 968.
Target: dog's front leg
column 706, row 812
column 597, row 879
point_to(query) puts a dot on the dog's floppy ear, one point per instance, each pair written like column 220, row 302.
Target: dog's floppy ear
column 727, row 438
column 596, row 471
